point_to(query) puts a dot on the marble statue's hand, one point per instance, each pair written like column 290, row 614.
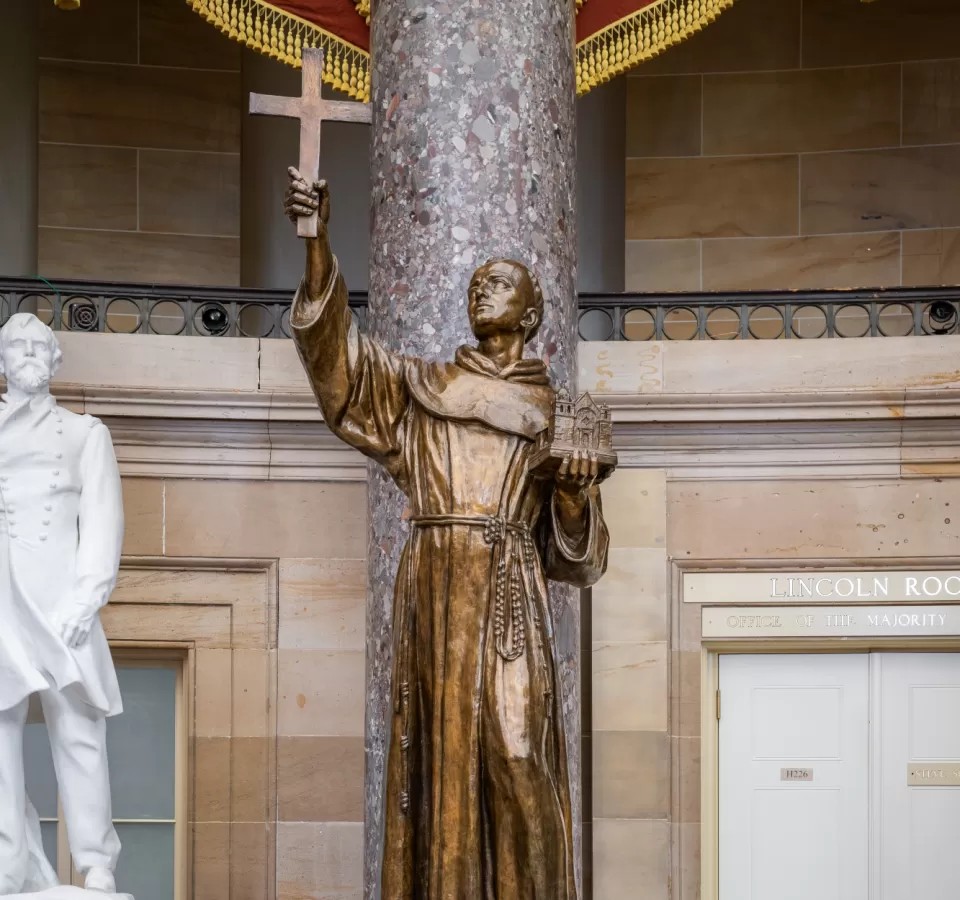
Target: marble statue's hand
column 74, row 623
column 302, row 199
column 574, row 478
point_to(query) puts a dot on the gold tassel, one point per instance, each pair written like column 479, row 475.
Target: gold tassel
column 67, row 4
column 640, row 37
column 274, row 48
column 623, row 45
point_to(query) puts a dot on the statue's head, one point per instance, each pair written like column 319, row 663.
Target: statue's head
column 504, row 296
column 29, row 353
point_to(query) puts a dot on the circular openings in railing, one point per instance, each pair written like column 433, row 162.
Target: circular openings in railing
column 681, row 324
column 254, row 320
column 285, row 323
column 639, row 325
column 596, row 325
column 940, row 317
column 39, row 305
column 211, row 319
column 166, row 317
column 808, row 322
column 765, row 323
column 723, row 324
column 4, row 309
column 895, row 320
column 79, row 314
column 851, row 321
column 123, row 316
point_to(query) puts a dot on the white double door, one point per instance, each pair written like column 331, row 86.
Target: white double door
column 817, row 753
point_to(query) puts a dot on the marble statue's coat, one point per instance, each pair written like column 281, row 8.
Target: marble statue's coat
column 56, row 467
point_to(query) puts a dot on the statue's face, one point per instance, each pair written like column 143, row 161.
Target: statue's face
column 496, row 304
column 27, row 358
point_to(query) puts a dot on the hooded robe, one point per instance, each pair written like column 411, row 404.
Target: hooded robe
column 478, row 798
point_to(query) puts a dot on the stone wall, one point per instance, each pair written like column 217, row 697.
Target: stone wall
column 740, row 455
column 139, row 157
column 245, row 546
column 276, row 748
column 798, row 144
column 246, row 539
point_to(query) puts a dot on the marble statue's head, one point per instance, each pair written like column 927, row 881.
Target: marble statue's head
column 504, row 296
column 29, row 353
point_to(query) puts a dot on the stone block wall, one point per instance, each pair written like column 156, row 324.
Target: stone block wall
column 798, row 144
column 139, row 157
column 246, row 538
column 276, row 740
column 739, row 455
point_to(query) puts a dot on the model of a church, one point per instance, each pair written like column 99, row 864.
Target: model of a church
column 580, row 424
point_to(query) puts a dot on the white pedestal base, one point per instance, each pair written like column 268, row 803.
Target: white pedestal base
column 68, row 892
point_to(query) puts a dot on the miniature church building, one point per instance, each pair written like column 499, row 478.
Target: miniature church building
column 576, row 425
column 583, row 424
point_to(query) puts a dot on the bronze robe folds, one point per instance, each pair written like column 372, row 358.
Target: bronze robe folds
column 478, row 800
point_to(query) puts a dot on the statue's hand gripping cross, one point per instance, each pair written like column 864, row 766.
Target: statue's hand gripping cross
column 311, row 109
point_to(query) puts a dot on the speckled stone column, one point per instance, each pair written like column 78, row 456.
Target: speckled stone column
column 473, row 155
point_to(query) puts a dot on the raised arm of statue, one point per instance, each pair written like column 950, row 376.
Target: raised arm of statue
column 360, row 386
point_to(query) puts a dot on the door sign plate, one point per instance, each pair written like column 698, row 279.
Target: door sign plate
column 933, row 774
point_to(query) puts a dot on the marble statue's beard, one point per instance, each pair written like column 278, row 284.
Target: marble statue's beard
column 31, row 375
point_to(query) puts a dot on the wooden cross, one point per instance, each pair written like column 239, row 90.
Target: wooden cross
column 311, row 109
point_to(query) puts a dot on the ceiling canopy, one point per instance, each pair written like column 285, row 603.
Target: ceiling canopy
column 612, row 35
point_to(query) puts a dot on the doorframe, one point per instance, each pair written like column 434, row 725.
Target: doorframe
column 711, row 651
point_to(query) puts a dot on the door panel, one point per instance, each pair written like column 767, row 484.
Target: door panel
column 793, row 779
column 917, row 728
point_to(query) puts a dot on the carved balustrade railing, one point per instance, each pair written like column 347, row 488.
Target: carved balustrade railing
column 245, row 312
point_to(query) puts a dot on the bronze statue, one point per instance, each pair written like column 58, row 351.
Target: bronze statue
column 478, row 799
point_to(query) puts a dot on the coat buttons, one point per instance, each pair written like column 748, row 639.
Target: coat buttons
column 43, row 537
column 45, row 522
column 59, row 456
column 47, row 507
column 56, row 471
column 59, row 431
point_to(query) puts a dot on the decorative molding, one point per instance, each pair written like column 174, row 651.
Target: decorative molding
column 280, row 436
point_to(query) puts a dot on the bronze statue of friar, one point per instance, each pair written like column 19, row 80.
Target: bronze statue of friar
column 478, row 796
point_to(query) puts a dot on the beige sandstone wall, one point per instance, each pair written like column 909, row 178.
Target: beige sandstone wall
column 246, row 539
column 255, row 567
column 745, row 454
column 139, row 157
column 798, row 144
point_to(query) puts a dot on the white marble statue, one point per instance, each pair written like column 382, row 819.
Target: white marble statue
column 61, row 529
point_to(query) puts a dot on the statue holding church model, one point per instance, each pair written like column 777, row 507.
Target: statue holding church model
column 478, row 796
column 61, row 531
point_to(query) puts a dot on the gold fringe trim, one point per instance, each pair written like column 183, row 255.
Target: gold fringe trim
column 604, row 55
column 641, row 36
column 282, row 35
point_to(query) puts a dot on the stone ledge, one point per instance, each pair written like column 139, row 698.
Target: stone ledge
column 280, row 436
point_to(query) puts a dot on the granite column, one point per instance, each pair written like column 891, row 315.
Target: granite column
column 473, row 155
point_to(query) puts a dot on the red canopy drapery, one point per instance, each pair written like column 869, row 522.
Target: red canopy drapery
column 612, row 35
